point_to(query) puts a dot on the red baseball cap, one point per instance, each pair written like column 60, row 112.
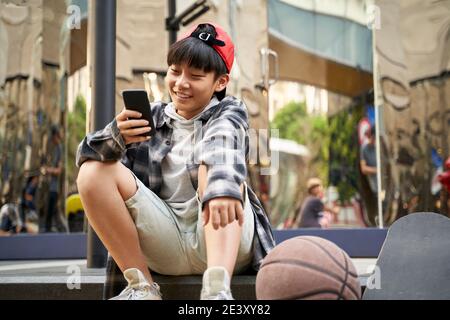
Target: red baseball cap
column 221, row 43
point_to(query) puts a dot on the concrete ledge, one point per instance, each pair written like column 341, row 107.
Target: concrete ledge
column 188, row 287
column 47, row 280
column 91, row 288
column 49, row 291
column 357, row 243
column 173, row 288
column 43, row 246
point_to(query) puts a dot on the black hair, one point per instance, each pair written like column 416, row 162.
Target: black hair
column 197, row 54
column 54, row 130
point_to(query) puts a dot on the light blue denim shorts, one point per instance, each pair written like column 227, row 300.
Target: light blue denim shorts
column 173, row 247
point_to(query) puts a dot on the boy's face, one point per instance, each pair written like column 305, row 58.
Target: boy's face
column 191, row 89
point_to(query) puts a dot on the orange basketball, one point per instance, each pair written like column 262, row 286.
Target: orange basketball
column 309, row 268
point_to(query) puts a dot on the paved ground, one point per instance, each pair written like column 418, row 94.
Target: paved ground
column 48, row 271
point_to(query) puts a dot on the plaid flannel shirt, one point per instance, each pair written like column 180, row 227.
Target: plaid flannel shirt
column 221, row 143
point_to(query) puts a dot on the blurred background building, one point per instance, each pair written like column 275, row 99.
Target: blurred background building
column 310, row 72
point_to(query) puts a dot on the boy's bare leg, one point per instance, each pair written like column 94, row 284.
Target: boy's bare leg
column 103, row 187
column 222, row 245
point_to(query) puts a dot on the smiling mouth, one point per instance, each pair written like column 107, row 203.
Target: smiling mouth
column 182, row 96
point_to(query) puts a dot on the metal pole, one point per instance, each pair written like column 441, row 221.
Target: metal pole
column 172, row 6
column 378, row 102
column 197, row 9
column 103, row 102
column 445, row 142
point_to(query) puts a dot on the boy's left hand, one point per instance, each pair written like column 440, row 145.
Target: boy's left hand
column 222, row 211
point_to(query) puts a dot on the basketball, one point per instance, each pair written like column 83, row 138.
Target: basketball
column 307, row 268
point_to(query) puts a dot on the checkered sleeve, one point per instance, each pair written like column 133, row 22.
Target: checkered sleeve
column 103, row 145
column 223, row 150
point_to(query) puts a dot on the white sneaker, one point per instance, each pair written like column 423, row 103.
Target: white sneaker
column 138, row 287
column 216, row 284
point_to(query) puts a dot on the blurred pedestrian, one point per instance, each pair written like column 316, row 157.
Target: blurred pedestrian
column 54, row 171
column 368, row 160
column 10, row 222
column 313, row 213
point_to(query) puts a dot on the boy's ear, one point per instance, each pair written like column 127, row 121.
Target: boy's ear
column 222, row 82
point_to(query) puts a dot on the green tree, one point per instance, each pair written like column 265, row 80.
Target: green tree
column 310, row 130
column 344, row 157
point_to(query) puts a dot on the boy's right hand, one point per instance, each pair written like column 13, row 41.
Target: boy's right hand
column 130, row 128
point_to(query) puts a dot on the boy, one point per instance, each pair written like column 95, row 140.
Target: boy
column 172, row 204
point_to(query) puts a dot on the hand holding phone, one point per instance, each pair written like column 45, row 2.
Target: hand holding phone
column 135, row 121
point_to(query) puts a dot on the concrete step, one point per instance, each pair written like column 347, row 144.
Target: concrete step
column 56, row 288
column 71, row 279
column 189, row 287
column 55, row 280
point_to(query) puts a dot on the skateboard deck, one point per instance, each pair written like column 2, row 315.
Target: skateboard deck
column 414, row 261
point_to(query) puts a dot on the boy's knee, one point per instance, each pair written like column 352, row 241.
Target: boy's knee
column 95, row 175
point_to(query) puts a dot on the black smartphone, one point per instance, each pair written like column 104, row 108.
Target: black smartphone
column 137, row 100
